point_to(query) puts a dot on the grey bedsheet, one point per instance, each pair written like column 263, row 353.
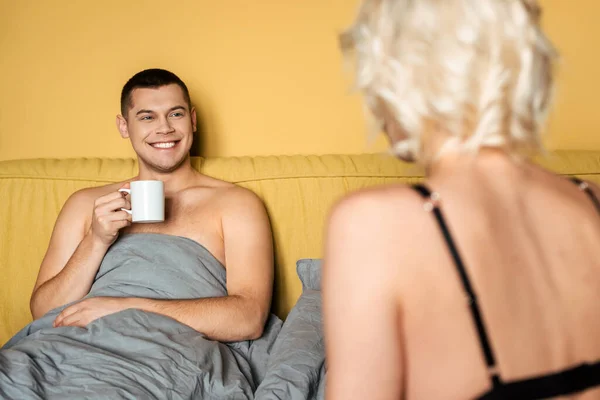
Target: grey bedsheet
column 135, row 354
column 297, row 361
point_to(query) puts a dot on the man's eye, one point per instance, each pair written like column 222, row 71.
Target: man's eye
column 146, row 118
column 177, row 114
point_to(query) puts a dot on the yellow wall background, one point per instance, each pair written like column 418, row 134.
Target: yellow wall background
column 266, row 75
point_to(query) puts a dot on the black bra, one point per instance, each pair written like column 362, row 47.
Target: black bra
column 562, row 383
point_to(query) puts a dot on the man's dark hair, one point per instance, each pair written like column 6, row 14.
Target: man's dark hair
column 150, row 78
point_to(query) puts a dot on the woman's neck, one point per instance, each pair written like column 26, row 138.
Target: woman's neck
column 459, row 161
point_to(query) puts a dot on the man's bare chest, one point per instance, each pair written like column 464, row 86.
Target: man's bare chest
column 199, row 221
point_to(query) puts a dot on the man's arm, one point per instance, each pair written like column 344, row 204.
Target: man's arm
column 241, row 314
column 74, row 255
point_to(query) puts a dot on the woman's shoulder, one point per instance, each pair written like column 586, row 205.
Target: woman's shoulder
column 372, row 214
column 377, row 201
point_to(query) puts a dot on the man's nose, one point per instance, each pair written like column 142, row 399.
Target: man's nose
column 165, row 126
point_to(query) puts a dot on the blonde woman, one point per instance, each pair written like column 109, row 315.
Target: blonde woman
column 485, row 281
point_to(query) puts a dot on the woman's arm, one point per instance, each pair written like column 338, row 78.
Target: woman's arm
column 361, row 304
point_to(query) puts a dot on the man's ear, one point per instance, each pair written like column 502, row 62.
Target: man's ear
column 122, row 126
column 194, row 122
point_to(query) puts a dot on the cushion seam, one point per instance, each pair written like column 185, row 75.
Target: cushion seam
column 53, row 178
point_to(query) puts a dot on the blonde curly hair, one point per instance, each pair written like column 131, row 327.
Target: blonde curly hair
column 481, row 69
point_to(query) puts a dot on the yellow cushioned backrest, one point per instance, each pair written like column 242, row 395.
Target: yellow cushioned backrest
column 298, row 192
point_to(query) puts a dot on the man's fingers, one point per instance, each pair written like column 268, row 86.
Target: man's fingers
column 123, row 223
column 108, row 198
column 74, row 320
column 118, row 216
column 65, row 313
column 113, row 205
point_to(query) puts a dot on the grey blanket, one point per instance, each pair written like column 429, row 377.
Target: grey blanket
column 135, row 354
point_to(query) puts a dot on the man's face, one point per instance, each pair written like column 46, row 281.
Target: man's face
column 160, row 126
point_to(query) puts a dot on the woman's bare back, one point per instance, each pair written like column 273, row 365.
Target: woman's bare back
column 530, row 242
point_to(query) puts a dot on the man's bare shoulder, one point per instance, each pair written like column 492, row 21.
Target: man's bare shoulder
column 225, row 193
column 78, row 209
column 209, row 182
column 79, row 205
column 90, row 194
column 240, row 198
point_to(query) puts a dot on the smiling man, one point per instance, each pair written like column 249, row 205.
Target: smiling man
column 175, row 309
column 228, row 222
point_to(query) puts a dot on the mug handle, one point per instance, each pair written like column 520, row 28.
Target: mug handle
column 128, row 191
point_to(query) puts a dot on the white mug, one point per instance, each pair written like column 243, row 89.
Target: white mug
column 147, row 201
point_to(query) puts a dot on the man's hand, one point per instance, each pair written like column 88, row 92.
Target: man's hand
column 78, row 244
column 108, row 218
column 88, row 310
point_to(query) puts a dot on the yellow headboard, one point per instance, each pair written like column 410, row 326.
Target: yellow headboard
column 297, row 190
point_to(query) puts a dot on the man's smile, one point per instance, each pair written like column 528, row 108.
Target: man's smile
column 165, row 145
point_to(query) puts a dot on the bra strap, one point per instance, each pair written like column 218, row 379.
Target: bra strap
column 432, row 205
column 585, row 187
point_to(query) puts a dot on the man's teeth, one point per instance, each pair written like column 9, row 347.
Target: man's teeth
column 166, row 145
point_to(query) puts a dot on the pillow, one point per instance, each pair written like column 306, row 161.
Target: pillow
column 296, row 362
column 309, row 271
